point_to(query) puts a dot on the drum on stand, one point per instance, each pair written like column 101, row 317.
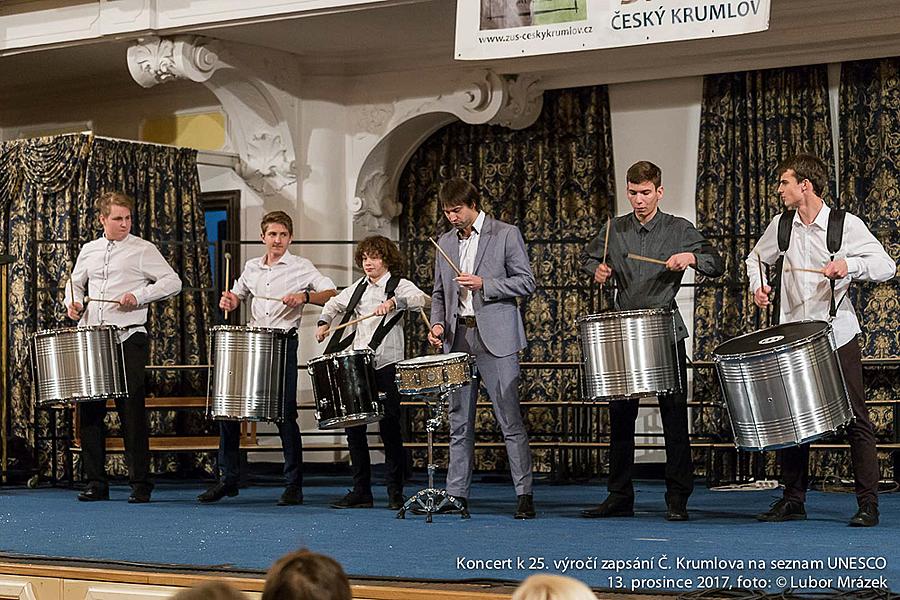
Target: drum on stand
column 345, row 389
column 78, row 364
column 629, row 354
column 437, row 374
column 247, row 369
column 783, row 385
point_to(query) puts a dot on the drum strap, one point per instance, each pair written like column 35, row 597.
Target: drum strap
column 834, row 238
column 336, row 344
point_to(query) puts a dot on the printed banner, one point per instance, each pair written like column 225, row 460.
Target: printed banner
column 508, row 28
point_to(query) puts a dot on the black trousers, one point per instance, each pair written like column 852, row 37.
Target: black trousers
column 391, row 436
column 133, row 417
column 860, row 434
column 679, row 470
column 288, row 430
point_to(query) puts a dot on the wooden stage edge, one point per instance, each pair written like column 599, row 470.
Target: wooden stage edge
column 79, row 580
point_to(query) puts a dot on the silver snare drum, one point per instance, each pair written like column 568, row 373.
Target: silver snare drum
column 78, row 364
column 436, row 374
column 628, row 354
column 247, row 369
column 783, row 385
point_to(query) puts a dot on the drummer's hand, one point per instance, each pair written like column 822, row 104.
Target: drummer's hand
column 603, row 272
column 229, row 301
column 128, row 301
column 74, row 311
column 385, row 307
column 836, row 269
column 681, row 261
column 295, row 300
column 436, row 334
column 470, row 282
column 322, row 332
column 761, row 296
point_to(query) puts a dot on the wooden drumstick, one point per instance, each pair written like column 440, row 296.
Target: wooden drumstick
column 269, row 298
column 655, row 261
column 447, row 258
column 425, row 318
column 227, row 277
column 353, row 322
column 819, row 271
column 88, row 300
column 606, row 244
column 762, row 277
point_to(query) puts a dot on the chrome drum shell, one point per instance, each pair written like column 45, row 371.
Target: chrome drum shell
column 783, row 385
column 628, row 354
column 78, row 364
column 246, row 373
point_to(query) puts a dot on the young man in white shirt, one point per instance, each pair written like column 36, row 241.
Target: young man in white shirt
column 806, row 294
column 124, row 274
column 384, row 293
column 296, row 281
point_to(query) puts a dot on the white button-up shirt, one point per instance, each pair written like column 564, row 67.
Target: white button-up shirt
column 289, row 275
column 407, row 296
column 807, row 295
column 468, row 248
column 107, row 270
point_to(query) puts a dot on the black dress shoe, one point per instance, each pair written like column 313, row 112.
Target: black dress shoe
column 93, row 493
column 354, row 499
column 525, row 507
column 139, row 495
column 676, row 512
column 218, row 491
column 291, row 496
column 783, row 510
column 608, row 508
column 866, row 516
column 396, row 500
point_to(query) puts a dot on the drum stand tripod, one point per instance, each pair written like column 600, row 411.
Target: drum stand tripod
column 432, row 500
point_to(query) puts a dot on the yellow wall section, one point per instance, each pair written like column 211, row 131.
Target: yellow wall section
column 202, row 131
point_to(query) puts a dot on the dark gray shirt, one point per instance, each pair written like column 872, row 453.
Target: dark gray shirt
column 641, row 284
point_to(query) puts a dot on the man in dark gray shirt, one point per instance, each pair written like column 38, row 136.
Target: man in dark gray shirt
column 640, row 284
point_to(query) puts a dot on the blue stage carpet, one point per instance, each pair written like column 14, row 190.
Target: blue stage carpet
column 712, row 550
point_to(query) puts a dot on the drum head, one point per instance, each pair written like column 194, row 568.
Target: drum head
column 434, row 359
column 772, row 338
column 623, row 314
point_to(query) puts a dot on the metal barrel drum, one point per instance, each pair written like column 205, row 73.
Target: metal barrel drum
column 78, row 364
column 783, row 385
column 628, row 354
column 247, row 370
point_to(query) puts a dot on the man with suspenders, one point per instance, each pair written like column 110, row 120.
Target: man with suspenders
column 381, row 292
column 805, row 242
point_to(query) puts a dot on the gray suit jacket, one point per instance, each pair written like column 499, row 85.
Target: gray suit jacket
column 502, row 262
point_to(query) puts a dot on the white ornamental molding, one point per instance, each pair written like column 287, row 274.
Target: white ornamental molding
column 258, row 129
column 524, row 101
column 154, row 60
column 511, row 101
column 375, row 205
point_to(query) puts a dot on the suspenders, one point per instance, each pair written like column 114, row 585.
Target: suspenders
column 834, row 237
column 336, row 344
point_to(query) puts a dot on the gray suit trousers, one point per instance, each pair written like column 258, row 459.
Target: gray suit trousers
column 501, row 379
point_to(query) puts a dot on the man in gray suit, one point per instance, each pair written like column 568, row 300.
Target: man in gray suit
column 476, row 312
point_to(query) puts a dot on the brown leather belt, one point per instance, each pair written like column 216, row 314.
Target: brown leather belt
column 468, row 322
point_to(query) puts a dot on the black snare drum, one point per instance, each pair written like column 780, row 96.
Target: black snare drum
column 345, row 390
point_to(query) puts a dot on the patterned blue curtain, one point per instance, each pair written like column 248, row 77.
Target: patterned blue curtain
column 47, row 192
column 555, row 181
column 750, row 122
column 870, row 188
